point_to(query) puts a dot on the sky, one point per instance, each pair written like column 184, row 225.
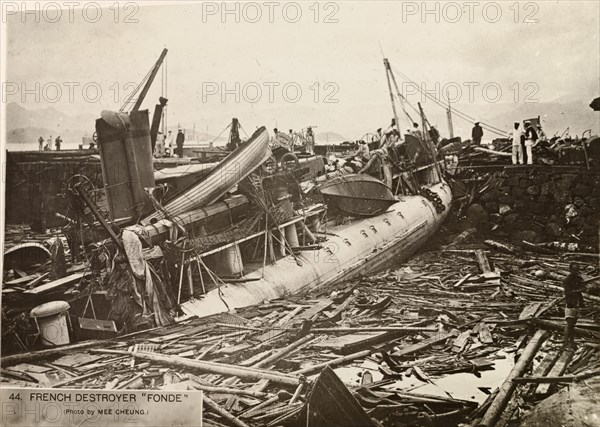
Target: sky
column 299, row 63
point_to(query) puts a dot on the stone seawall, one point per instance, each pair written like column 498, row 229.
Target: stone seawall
column 541, row 204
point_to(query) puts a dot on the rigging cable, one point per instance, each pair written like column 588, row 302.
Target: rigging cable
column 455, row 111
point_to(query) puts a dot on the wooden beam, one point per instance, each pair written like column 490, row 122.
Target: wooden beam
column 508, row 387
column 212, row 367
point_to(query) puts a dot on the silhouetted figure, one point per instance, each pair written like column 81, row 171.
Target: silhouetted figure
column 179, row 141
column 477, row 134
column 435, row 135
column 573, row 287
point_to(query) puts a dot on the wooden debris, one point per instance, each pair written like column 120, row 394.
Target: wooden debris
column 444, row 313
column 508, row 387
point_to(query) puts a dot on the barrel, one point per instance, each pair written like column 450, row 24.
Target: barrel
column 51, row 318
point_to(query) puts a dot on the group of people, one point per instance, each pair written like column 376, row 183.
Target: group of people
column 523, row 141
column 48, row 145
column 163, row 146
column 306, row 140
column 391, row 135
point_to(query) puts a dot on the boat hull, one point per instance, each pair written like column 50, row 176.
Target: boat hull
column 360, row 247
column 357, row 194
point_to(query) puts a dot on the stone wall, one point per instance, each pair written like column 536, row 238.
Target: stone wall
column 545, row 203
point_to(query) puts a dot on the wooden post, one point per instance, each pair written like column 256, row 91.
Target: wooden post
column 283, row 352
column 180, row 278
column 213, row 367
column 200, row 274
column 190, row 280
column 508, row 387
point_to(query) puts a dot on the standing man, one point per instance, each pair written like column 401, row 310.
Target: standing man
column 41, row 143
column 517, row 150
column 310, row 140
column 435, row 135
column 573, row 287
column 57, row 143
column 169, row 150
column 363, row 152
column 160, row 145
column 540, row 133
column 477, row 134
column 179, row 141
column 49, row 143
column 530, row 140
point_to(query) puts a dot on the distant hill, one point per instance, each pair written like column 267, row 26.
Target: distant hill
column 29, row 136
column 18, row 117
column 25, row 126
column 329, row 138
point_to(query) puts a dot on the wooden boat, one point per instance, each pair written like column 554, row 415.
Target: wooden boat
column 235, row 167
column 357, row 194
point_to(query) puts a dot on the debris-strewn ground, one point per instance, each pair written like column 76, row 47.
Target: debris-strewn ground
column 428, row 343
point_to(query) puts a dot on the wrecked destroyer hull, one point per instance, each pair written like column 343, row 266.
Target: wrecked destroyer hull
column 357, row 248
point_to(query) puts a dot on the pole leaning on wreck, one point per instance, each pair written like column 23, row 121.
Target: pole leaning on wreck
column 508, row 387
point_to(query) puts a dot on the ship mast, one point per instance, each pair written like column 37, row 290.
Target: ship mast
column 147, row 82
column 449, row 117
column 146, row 87
column 388, row 72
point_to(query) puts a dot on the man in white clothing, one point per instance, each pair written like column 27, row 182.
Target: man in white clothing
column 530, row 140
column 517, row 150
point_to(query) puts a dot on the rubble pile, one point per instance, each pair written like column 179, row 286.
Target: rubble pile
column 535, row 203
column 35, row 186
column 467, row 334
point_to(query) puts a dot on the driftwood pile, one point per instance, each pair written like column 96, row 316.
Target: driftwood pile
column 462, row 335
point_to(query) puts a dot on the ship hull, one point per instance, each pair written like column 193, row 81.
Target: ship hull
column 363, row 246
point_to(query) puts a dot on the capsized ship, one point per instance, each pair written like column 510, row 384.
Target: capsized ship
column 256, row 226
column 319, row 229
column 334, row 252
